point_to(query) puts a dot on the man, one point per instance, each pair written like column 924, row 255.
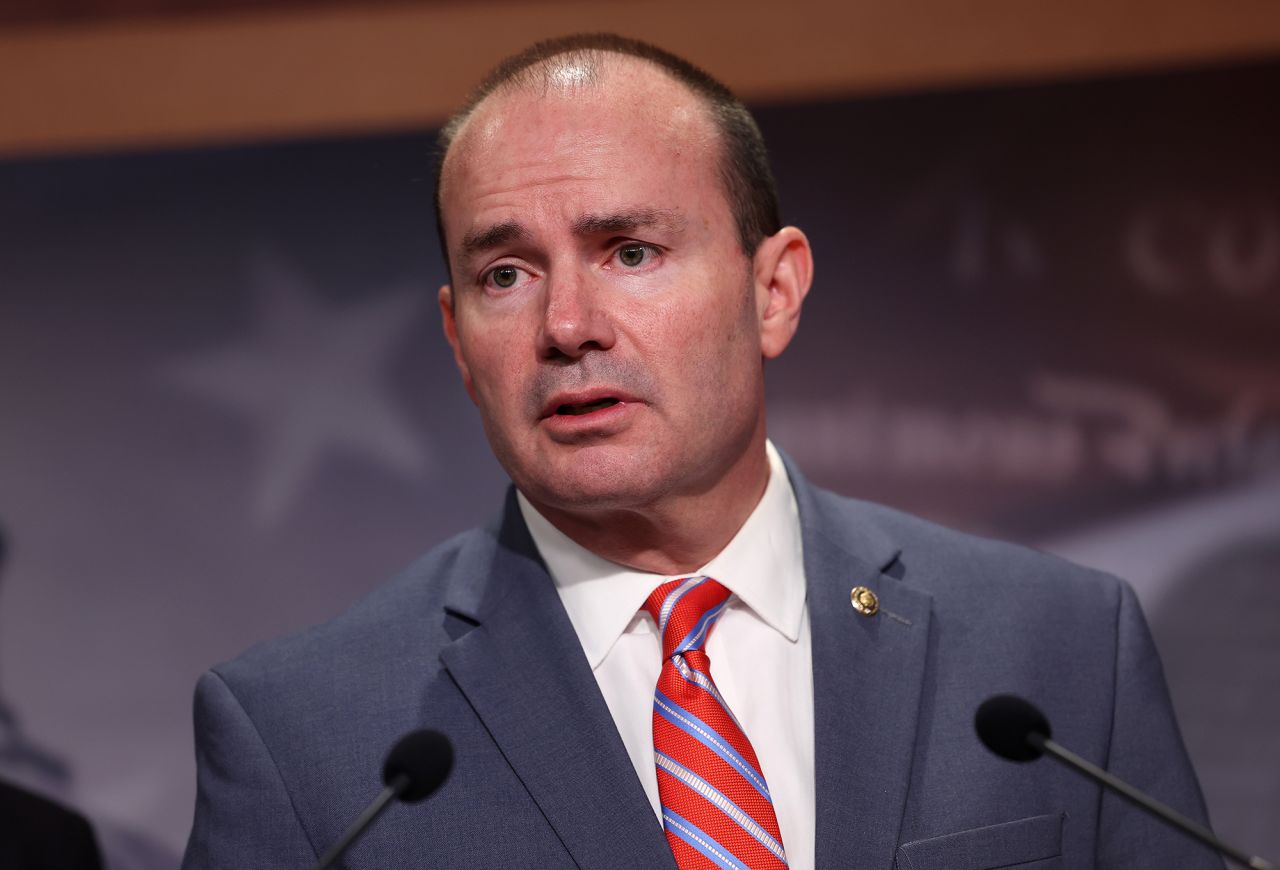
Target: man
column 618, row 278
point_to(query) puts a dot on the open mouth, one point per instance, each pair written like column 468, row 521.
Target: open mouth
column 585, row 407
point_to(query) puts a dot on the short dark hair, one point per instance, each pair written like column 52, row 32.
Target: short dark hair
column 744, row 162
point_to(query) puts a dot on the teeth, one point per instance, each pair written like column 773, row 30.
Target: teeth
column 577, row 410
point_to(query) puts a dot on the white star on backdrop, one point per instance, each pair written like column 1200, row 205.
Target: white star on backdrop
column 312, row 377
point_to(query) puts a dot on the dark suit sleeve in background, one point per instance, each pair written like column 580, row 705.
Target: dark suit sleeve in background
column 39, row 834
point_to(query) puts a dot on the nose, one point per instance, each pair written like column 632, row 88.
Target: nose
column 575, row 319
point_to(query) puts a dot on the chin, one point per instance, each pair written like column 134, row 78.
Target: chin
column 594, row 479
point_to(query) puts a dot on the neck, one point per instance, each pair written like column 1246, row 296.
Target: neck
column 677, row 534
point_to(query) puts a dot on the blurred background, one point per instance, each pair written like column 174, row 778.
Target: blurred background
column 1047, row 309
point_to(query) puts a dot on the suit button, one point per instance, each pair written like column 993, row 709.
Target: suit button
column 864, row 600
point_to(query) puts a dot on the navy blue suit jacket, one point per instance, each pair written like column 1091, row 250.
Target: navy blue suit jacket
column 473, row 641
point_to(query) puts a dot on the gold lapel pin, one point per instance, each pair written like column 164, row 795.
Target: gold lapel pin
column 864, row 601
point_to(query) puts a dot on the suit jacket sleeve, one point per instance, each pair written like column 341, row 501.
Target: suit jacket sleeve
column 244, row 816
column 1146, row 750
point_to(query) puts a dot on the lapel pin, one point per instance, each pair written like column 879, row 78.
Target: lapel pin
column 864, row 601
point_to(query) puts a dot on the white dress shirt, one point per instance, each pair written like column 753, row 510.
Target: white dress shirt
column 759, row 650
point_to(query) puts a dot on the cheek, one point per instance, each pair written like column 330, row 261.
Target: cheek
column 711, row 351
column 492, row 357
column 696, row 309
column 723, row 324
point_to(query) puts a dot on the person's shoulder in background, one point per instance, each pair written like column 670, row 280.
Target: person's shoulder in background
column 39, row 834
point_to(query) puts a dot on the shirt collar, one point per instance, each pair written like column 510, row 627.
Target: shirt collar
column 763, row 565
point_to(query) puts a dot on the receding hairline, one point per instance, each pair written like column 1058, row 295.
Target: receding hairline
column 539, row 80
column 742, row 160
column 593, row 68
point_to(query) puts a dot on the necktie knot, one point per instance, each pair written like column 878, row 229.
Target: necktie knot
column 685, row 611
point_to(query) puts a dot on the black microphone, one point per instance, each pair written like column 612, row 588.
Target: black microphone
column 416, row 766
column 1015, row 729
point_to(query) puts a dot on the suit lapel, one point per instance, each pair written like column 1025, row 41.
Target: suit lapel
column 868, row 673
column 523, row 671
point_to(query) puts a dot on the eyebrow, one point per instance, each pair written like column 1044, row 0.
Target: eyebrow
column 477, row 241
column 627, row 221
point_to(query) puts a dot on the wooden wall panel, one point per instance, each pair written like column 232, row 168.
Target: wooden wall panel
column 156, row 82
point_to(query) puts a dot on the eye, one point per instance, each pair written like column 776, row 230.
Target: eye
column 503, row 277
column 634, row 255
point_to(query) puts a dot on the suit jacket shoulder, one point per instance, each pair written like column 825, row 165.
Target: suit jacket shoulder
column 963, row 618
column 321, row 668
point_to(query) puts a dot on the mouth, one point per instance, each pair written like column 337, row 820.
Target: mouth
column 577, row 410
column 580, row 404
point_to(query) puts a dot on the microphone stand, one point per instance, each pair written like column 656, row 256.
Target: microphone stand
column 1131, row 794
column 393, row 790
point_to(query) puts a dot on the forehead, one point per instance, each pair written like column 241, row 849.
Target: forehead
column 629, row 131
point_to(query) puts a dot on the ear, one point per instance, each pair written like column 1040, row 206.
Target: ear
column 783, row 271
column 451, row 335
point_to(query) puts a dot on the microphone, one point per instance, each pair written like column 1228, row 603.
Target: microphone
column 1015, row 729
column 416, row 766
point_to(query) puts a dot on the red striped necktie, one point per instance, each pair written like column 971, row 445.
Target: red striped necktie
column 716, row 808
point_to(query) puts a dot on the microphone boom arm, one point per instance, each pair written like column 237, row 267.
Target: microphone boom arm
column 393, row 790
column 1131, row 794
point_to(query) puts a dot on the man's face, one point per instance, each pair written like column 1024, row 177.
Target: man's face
column 603, row 315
